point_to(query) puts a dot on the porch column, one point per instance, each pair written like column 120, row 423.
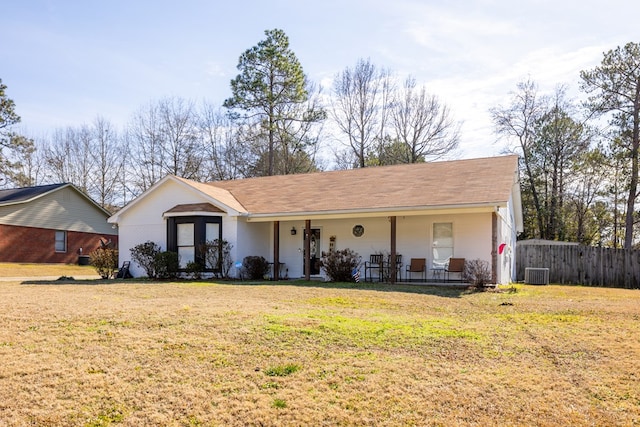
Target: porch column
column 276, row 250
column 393, row 266
column 307, row 249
column 494, row 247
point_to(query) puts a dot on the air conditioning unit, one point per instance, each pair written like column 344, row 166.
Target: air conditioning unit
column 536, row 276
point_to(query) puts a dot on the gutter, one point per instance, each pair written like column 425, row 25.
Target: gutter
column 374, row 212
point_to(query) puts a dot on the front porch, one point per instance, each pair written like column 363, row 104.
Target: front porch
column 297, row 245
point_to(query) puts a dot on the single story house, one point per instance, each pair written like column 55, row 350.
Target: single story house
column 463, row 208
column 54, row 223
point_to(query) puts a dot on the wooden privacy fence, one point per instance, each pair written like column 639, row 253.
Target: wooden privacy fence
column 582, row 265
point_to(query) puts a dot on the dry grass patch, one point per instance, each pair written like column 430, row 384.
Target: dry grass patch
column 14, row 269
column 206, row 354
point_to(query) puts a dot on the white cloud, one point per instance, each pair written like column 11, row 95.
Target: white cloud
column 215, row 69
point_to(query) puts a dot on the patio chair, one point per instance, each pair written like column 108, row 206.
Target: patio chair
column 417, row 265
column 456, row 265
column 376, row 262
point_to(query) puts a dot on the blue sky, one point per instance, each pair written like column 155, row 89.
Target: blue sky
column 66, row 62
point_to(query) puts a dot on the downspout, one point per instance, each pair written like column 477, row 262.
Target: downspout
column 494, row 247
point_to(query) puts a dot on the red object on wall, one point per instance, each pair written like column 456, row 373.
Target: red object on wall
column 37, row 245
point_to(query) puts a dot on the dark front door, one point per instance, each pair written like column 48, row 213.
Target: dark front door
column 314, row 251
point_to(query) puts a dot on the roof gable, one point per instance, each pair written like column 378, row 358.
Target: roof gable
column 217, row 197
column 28, row 194
column 59, row 207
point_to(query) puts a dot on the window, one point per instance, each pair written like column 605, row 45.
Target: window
column 186, row 243
column 442, row 243
column 61, row 241
column 212, row 231
column 185, row 235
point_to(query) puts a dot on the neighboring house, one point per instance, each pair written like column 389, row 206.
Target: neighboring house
column 51, row 224
column 465, row 208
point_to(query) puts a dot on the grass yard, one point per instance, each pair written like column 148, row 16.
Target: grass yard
column 14, row 269
column 205, row 354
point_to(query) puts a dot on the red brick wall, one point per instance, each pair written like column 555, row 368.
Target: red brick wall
column 29, row 244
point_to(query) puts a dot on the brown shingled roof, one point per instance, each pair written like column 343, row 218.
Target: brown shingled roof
column 424, row 185
column 217, row 193
column 194, row 207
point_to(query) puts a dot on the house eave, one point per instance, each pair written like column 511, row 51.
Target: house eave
column 192, row 213
column 377, row 212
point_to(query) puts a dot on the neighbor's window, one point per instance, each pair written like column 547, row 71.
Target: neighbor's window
column 61, row 241
column 442, row 243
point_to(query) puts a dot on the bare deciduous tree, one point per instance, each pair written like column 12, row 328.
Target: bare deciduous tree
column 163, row 137
column 180, row 148
column 89, row 157
column 423, row 124
column 68, row 156
column 144, row 138
column 108, row 156
column 517, row 120
column 224, row 157
column 560, row 142
column 360, row 106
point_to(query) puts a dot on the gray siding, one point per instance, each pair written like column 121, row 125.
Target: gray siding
column 64, row 209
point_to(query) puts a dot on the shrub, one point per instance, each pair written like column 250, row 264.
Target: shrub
column 477, row 272
column 255, row 267
column 339, row 264
column 166, row 265
column 105, row 262
column 194, row 270
column 217, row 256
column 145, row 255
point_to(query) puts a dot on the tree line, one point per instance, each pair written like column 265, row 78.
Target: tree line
column 275, row 122
column 579, row 160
